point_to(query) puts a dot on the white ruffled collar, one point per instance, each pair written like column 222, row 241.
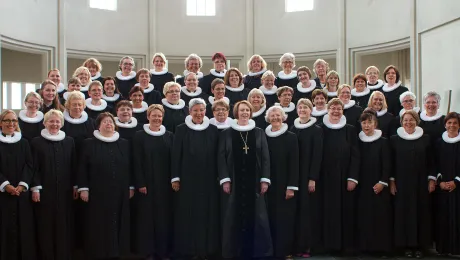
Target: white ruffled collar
column 66, row 94
column 131, row 75
column 404, row 135
column 98, row 75
column 291, row 75
column 153, row 72
column 382, row 112
column 257, row 73
column 220, row 125
column 193, row 126
column 146, row 90
column 379, row 85
column 350, row 104
column 427, row 118
column 75, row 121
column 270, row 133
column 197, row 92
column 315, row 112
column 367, row 139
column 447, row 139
column 365, row 92
column 11, row 139
column 242, row 128
column 387, row 88
column 31, row 120
column 288, row 109
column 154, row 133
column 115, row 97
column 238, row 89
column 416, row 109
column 258, row 113
column 331, row 94
column 268, row 91
column 85, row 88
column 218, row 74
column 299, row 125
column 111, row 139
column 176, row 107
column 144, row 107
column 339, row 125
column 101, row 107
column 211, row 100
column 301, row 89
column 60, row 88
column 56, row 138
column 199, row 74
column 130, row 124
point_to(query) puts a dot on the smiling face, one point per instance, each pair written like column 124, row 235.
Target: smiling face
column 287, row 65
column 191, row 83
column 431, row 105
column 218, row 91
column 452, row 126
column 53, row 124
column 256, row 64
column 319, row 102
column 372, row 76
column 276, row 118
column 137, row 98
column 333, row 81
column 55, row 77
column 234, row 79
column 244, row 112
column 49, row 93
column 409, row 123
column 408, row 102
column 84, row 78
column 303, row 111
column 158, row 63
column 335, row 112
column 368, row 127
column 107, row 126
column 95, row 93
column 268, row 82
column 320, row 69
column 391, row 77
column 155, row 118
column 92, row 69
column 220, row 113
column 109, row 88
column 193, row 65
column 345, row 95
column 127, row 66
column 377, row 101
column 197, row 112
column 219, row 64
column 303, row 76
column 9, row 123
column 33, row 104
column 124, row 114
column 173, row 95
column 256, row 101
column 360, row 85
column 76, row 107
column 73, row 87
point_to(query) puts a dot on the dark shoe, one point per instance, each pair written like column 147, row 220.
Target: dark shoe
column 408, row 254
column 418, row 255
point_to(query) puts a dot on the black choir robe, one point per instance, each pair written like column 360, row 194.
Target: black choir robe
column 94, row 111
column 361, row 98
column 308, row 230
column 61, row 90
column 301, row 92
column 284, row 174
column 187, row 96
column 152, row 215
column 98, row 77
column 340, row 165
column 181, row 80
column 85, row 91
column 291, row 113
column 205, row 82
column 447, row 233
column 318, row 115
column 17, row 227
column 210, row 101
column 245, row 223
column 374, row 210
column 270, row 95
column 396, row 123
column 112, row 102
column 259, row 118
column 151, row 95
column 196, row 204
column 104, row 169
column 236, row 94
column 141, row 114
column 353, row 112
column 174, row 114
column 44, row 109
column 128, row 130
column 412, row 168
column 318, row 83
column 432, row 126
column 159, row 79
column 290, row 80
column 376, row 87
column 55, row 164
column 125, row 83
column 30, row 127
column 253, row 80
column 392, row 97
column 385, row 120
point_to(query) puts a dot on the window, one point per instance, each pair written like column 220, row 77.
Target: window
column 298, row 5
column 13, row 94
column 110, row 5
column 201, row 7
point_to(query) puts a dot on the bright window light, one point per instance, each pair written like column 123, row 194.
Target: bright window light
column 13, row 93
column 298, row 5
column 5, row 96
column 110, row 5
column 201, row 7
column 16, row 98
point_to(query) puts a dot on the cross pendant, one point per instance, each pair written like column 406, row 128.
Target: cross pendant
column 245, row 148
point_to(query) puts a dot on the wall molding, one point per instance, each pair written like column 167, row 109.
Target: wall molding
column 107, row 56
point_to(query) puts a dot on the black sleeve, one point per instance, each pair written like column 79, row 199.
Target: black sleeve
column 293, row 146
column 317, row 151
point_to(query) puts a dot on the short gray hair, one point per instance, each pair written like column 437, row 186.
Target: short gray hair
column 432, row 94
column 193, row 56
column 271, row 109
column 405, row 94
column 196, row 101
column 285, row 57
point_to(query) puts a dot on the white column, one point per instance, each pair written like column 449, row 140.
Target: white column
column 341, row 55
column 249, row 34
column 61, row 50
column 1, row 81
column 414, row 53
column 152, row 32
column 228, row 64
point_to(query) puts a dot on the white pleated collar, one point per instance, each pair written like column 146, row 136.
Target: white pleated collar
column 197, row 92
column 427, row 118
column 193, row 126
column 101, row 107
column 365, row 92
column 350, row 104
column 243, row 128
column 144, row 107
column 175, row 107
column 291, row 75
column 331, row 94
column 382, row 112
column 257, row 73
column 154, row 133
column 258, row 113
column 301, row 89
column 66, row 94
column 85, row 88
column 288, row 109
column 404, row 135
column 31, row 120
column 220, row 125
column 111, row 139
column 238, row 89
column 315, row 112
column 98, row 75
column 218, row 74
column 131, row 75
column 379, row 85
column 75, row 121
column 339, row 125
column 146, row 90
column 416, row 109
column 268, row 91
column 158, row 73
column 367, row 139
column 199, row 74
column 16, row 137
column 270, row 133
column 387, row 88
column 115, row 97
column 447, row 139
column 211, row 100
column 299, row 125
column 60, row 88
column 56, row 138
column 130, row 124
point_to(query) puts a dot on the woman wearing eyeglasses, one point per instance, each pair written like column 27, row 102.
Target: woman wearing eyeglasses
column 407, row 100
column 175, row 108
column 126, row 76
column 285, row 97
column 30, row 119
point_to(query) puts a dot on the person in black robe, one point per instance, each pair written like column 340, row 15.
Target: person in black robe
column 305, row 87
column 220, row 119
column 447, row 236
column 339, row 178
column 95, row 68
column 53, row 188
column 193, row 63
column 288, row 76
column 373, row 81
column 257, row 100
column 83, row 74
column 152, row 215
column 160, row 75
column 175, row 108
column 284, row 98
column 95, row 105
column 194, row 180
column 111, row 93
column 235, row 90
column 104, row 183
column 377, row 102
column 244, row 174
column 151, row 95
column 220, row 61
column 310, row 138
column 350, row 110
column 284, row 171
column 136, row 95
column 269, row 89
column 393, row 89
column 31, row 119
column 431, row 119
column 374, row 205
column 411, row 183
column 127, row 124
column 256, row 66
column 218, row 93
column 407, row 100
column 48, row 92
column 319, row 100
column 17, row 227
column 73, row 84
column 321, row 68
column 126, row 76
column 191, row 90
column 360, row 93
column 55, row 76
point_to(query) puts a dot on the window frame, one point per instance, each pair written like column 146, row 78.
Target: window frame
column 288, row 3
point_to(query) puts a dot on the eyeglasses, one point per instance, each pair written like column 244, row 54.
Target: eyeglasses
column 33, row 103
column 408, row 101
column 221, row 109
column 173, row 91
column 9, row 121
column 128, row 64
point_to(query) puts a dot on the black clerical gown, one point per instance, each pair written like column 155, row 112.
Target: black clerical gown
column 290, row 80
column 291, row 113
column 196, row 204
column 432, row 126
column 125, row 83
column 54, row 176
column 159, row 79
column 340, row 165
column 252, row 82
column 318, row 83
column 259, row 118
column 105, row 169
column 128, row 130
column 374, row 210
column 284, row 174
column 113, row 101
column 152, row 215
column 270, row 96
column 187, row 96
column 98, row 77
column 141, row 114
column 300, row 92
column 94, row 111
column 353, row 113
column 245, row 224
column 318, row 115
column 375, row 87
column 205, row 82
column 30, row 127
column 174, row 114
column 392, row 98
column 308, row 228
column 385, row 120
column 447, row 230
column 413, row 165
column 236, row 94
column 152, row 96
column 44, row 109
column 361, row 98
column 17, row 227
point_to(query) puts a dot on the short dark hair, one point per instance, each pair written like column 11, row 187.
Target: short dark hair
column 385, row 72
column 215, row 82
column 369, row 114
column 102, row 116
column 452, row 115
column 136, row 89
column 359, row 76
column 124, row 103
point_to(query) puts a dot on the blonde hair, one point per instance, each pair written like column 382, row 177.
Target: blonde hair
column 124, row 58
column 168, row 85
column 264, row 63
column 339, row 90
column 9, row 111
column 35, row 95
column 159, row 54
column 320, row 61
column 157, row 107
column 80, row 70
column 93, row 61
column 54, row 112
column 330, row 74
column 267, row 74
column 375, row 93
column 193, row 56
column 256, row 91
column 334, row 101
column 75, row 95
column 306, row 102
column 372, row 68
